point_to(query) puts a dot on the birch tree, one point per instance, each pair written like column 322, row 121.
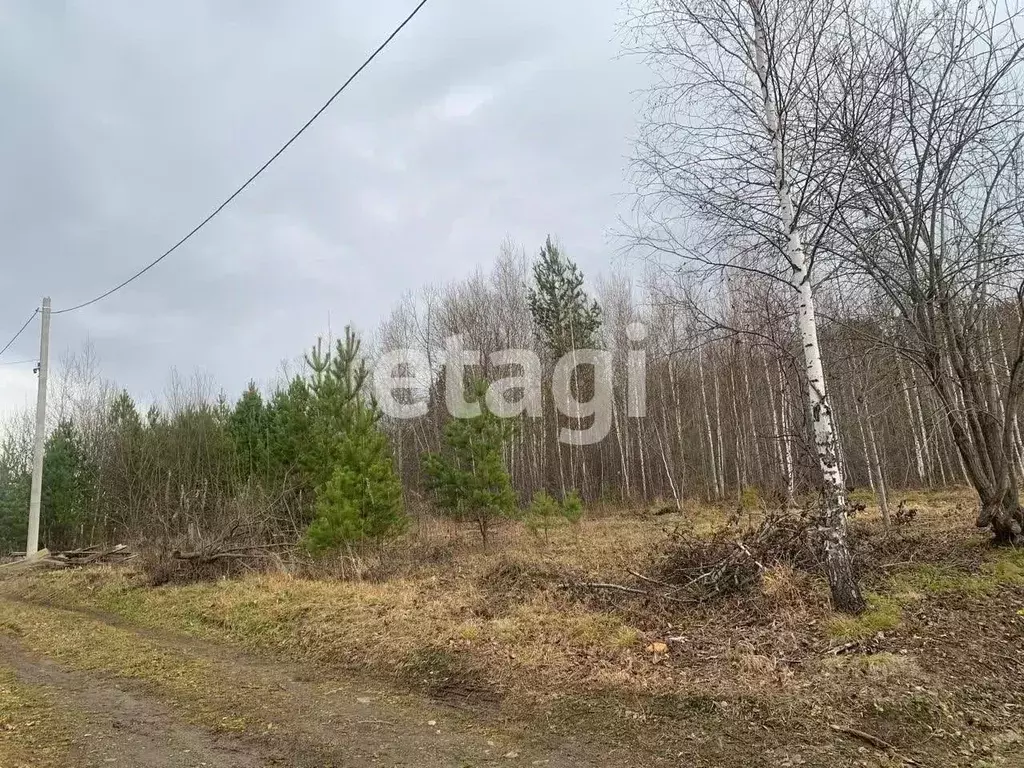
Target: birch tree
column 733, row 183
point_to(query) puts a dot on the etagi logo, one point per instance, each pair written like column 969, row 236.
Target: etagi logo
column 520, row 394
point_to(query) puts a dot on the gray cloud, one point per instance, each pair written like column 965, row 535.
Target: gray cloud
column 127, row 121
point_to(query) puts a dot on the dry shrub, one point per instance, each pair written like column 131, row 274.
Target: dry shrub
column 407, row 559
column 162, row 567
column 936, row 540
column 237, row 545
column 512, row 580
column 787, row 590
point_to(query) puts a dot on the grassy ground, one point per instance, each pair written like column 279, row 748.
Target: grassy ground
column 933, row 668
column 32, row 730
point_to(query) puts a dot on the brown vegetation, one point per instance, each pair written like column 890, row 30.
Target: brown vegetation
column 924, row 669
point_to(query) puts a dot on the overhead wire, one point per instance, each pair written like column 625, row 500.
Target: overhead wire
column 255, row 175
column 21, row 330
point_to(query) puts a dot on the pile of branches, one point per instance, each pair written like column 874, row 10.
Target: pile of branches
column 692, row 569
column 733, row 561
column 110, row 555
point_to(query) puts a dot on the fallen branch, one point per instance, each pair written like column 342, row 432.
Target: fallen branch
column 628, row 590
column 748, row 553
column 874, row 741
column 233, row 553
column 649, row 580
column 842, row 648
column 615, row 587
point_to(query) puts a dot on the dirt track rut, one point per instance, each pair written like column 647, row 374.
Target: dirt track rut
column 251, row 712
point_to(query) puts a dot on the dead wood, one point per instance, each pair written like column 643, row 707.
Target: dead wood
column 873, row 740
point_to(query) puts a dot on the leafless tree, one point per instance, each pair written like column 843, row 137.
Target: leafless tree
column 928, row 122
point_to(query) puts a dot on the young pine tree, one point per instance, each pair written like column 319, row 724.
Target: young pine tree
column 469, row 478
column 572, row 508
column 543, row 515
column 358, row 493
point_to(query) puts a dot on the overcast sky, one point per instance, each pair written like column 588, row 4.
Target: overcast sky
column 126, row 121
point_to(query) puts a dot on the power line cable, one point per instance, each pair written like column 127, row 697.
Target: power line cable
column 252, row 178
column 21, row 330
column 20, row 362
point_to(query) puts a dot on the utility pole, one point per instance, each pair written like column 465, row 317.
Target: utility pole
column 40, row 441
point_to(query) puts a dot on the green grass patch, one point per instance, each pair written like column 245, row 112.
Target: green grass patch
column 1005, row 569
column 883, row 613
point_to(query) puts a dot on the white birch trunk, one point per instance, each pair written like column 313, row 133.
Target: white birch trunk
column 918, row 447
column 753, row 423
column 787, row 440
column 864, row 442
column 622, row 448
column 846, row 595
column 678, row 411
column 883, row 494
column 741, row 458
column 718, row 434
column 776, row 434
column 707, row 424
column 925, row 439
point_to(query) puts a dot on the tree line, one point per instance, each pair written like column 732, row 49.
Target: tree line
column 312, row 460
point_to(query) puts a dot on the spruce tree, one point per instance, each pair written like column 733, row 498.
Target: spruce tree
column 469, row 478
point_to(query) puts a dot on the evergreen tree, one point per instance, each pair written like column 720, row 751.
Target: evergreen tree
column 249, row 427
column 543, row 514
column 358, row 493
column 469, row 477
column 288, row 420
column 566, row 318
column 363, row 499
column 126, row 472
column 68, row 486
column 15, row 487
column 546, row 513
column 572, row 507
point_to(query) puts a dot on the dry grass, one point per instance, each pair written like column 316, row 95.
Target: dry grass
column 444, row 617
column 32, row 731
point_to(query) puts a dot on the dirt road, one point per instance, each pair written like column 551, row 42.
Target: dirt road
column 116, row 726
column 112, row 695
